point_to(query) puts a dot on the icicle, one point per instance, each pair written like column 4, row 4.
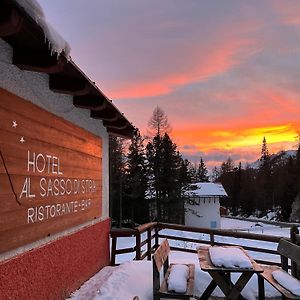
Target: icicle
column 53, row 39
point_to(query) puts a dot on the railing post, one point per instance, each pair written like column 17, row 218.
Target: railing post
column 149, row 244
column 156, row 237
column 113, row 251
column 293, row 232
column 212, row 238
column 138, row 245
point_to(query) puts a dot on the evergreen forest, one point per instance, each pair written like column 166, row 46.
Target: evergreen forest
column 149, row 179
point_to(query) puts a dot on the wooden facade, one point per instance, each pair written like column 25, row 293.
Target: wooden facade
column 50, row 173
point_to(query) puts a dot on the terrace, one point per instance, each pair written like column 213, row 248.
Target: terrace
column 138, row 245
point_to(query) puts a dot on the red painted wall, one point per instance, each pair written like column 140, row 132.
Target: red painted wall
column 55, row 270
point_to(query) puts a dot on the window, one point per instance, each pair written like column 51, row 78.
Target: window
column 213, row 224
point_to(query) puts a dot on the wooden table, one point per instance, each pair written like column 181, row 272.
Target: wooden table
column 222, row 276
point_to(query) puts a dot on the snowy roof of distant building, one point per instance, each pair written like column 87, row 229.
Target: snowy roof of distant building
column 208, row 189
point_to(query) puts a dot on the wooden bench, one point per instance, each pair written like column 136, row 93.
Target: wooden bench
column 160, row 260
column 287, row 250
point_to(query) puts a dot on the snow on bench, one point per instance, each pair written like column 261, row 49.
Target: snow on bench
column 178, row 279
column 287, row 281
column 273, row 274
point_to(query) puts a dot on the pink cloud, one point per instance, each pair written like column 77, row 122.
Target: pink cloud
column 204, row 61
column 288, row 12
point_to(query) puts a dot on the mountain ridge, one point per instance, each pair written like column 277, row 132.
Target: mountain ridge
column 282, row 155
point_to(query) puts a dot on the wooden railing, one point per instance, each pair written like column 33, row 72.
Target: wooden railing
column 151, row 232
column 147, row 240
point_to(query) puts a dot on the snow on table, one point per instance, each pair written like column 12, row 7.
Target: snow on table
column 229, row 257
column 203, row 279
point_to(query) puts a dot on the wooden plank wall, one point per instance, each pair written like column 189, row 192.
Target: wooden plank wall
column 50, row 173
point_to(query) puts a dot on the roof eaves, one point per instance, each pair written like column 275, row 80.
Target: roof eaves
column 30, row 52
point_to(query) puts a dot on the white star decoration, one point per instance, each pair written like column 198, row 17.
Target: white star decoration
column 22, row 140
column 14, row 124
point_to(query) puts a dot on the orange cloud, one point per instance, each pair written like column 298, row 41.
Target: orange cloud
column 242, row 145
column 279, row 136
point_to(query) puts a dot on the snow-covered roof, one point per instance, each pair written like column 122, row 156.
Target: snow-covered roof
column 57, row 44
column 37, row 47
column 208, row 189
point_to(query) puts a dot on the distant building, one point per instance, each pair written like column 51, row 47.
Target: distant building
column 223, row 211
column 202, row 206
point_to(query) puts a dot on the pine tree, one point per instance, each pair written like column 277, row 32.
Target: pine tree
column 248, row 191
column 116, row 179
column 295, row 213
column 226, row 177
column 201, row 173
column 264, row 151
column 236, row 193
column 136, row 181
column 289, row 189
column 168, row 178
column 169, row 181
column 192, row 172
column 153, row 154
column 227, row 166
column 158, row 123
column 265, row 180
column 168, row 173
column 185, row 176
column 297, row 166
column 216, row 174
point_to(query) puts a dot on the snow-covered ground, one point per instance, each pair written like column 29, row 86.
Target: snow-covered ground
column 134, row 278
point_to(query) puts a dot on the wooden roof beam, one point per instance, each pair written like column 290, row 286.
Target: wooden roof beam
column 38, row 62
column 122, row 133
column 12, row 24
column 68, row 85
column 109, row 115
column 92, row 102
column 118, row 124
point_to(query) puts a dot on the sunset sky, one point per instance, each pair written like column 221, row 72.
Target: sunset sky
column 227, row 73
